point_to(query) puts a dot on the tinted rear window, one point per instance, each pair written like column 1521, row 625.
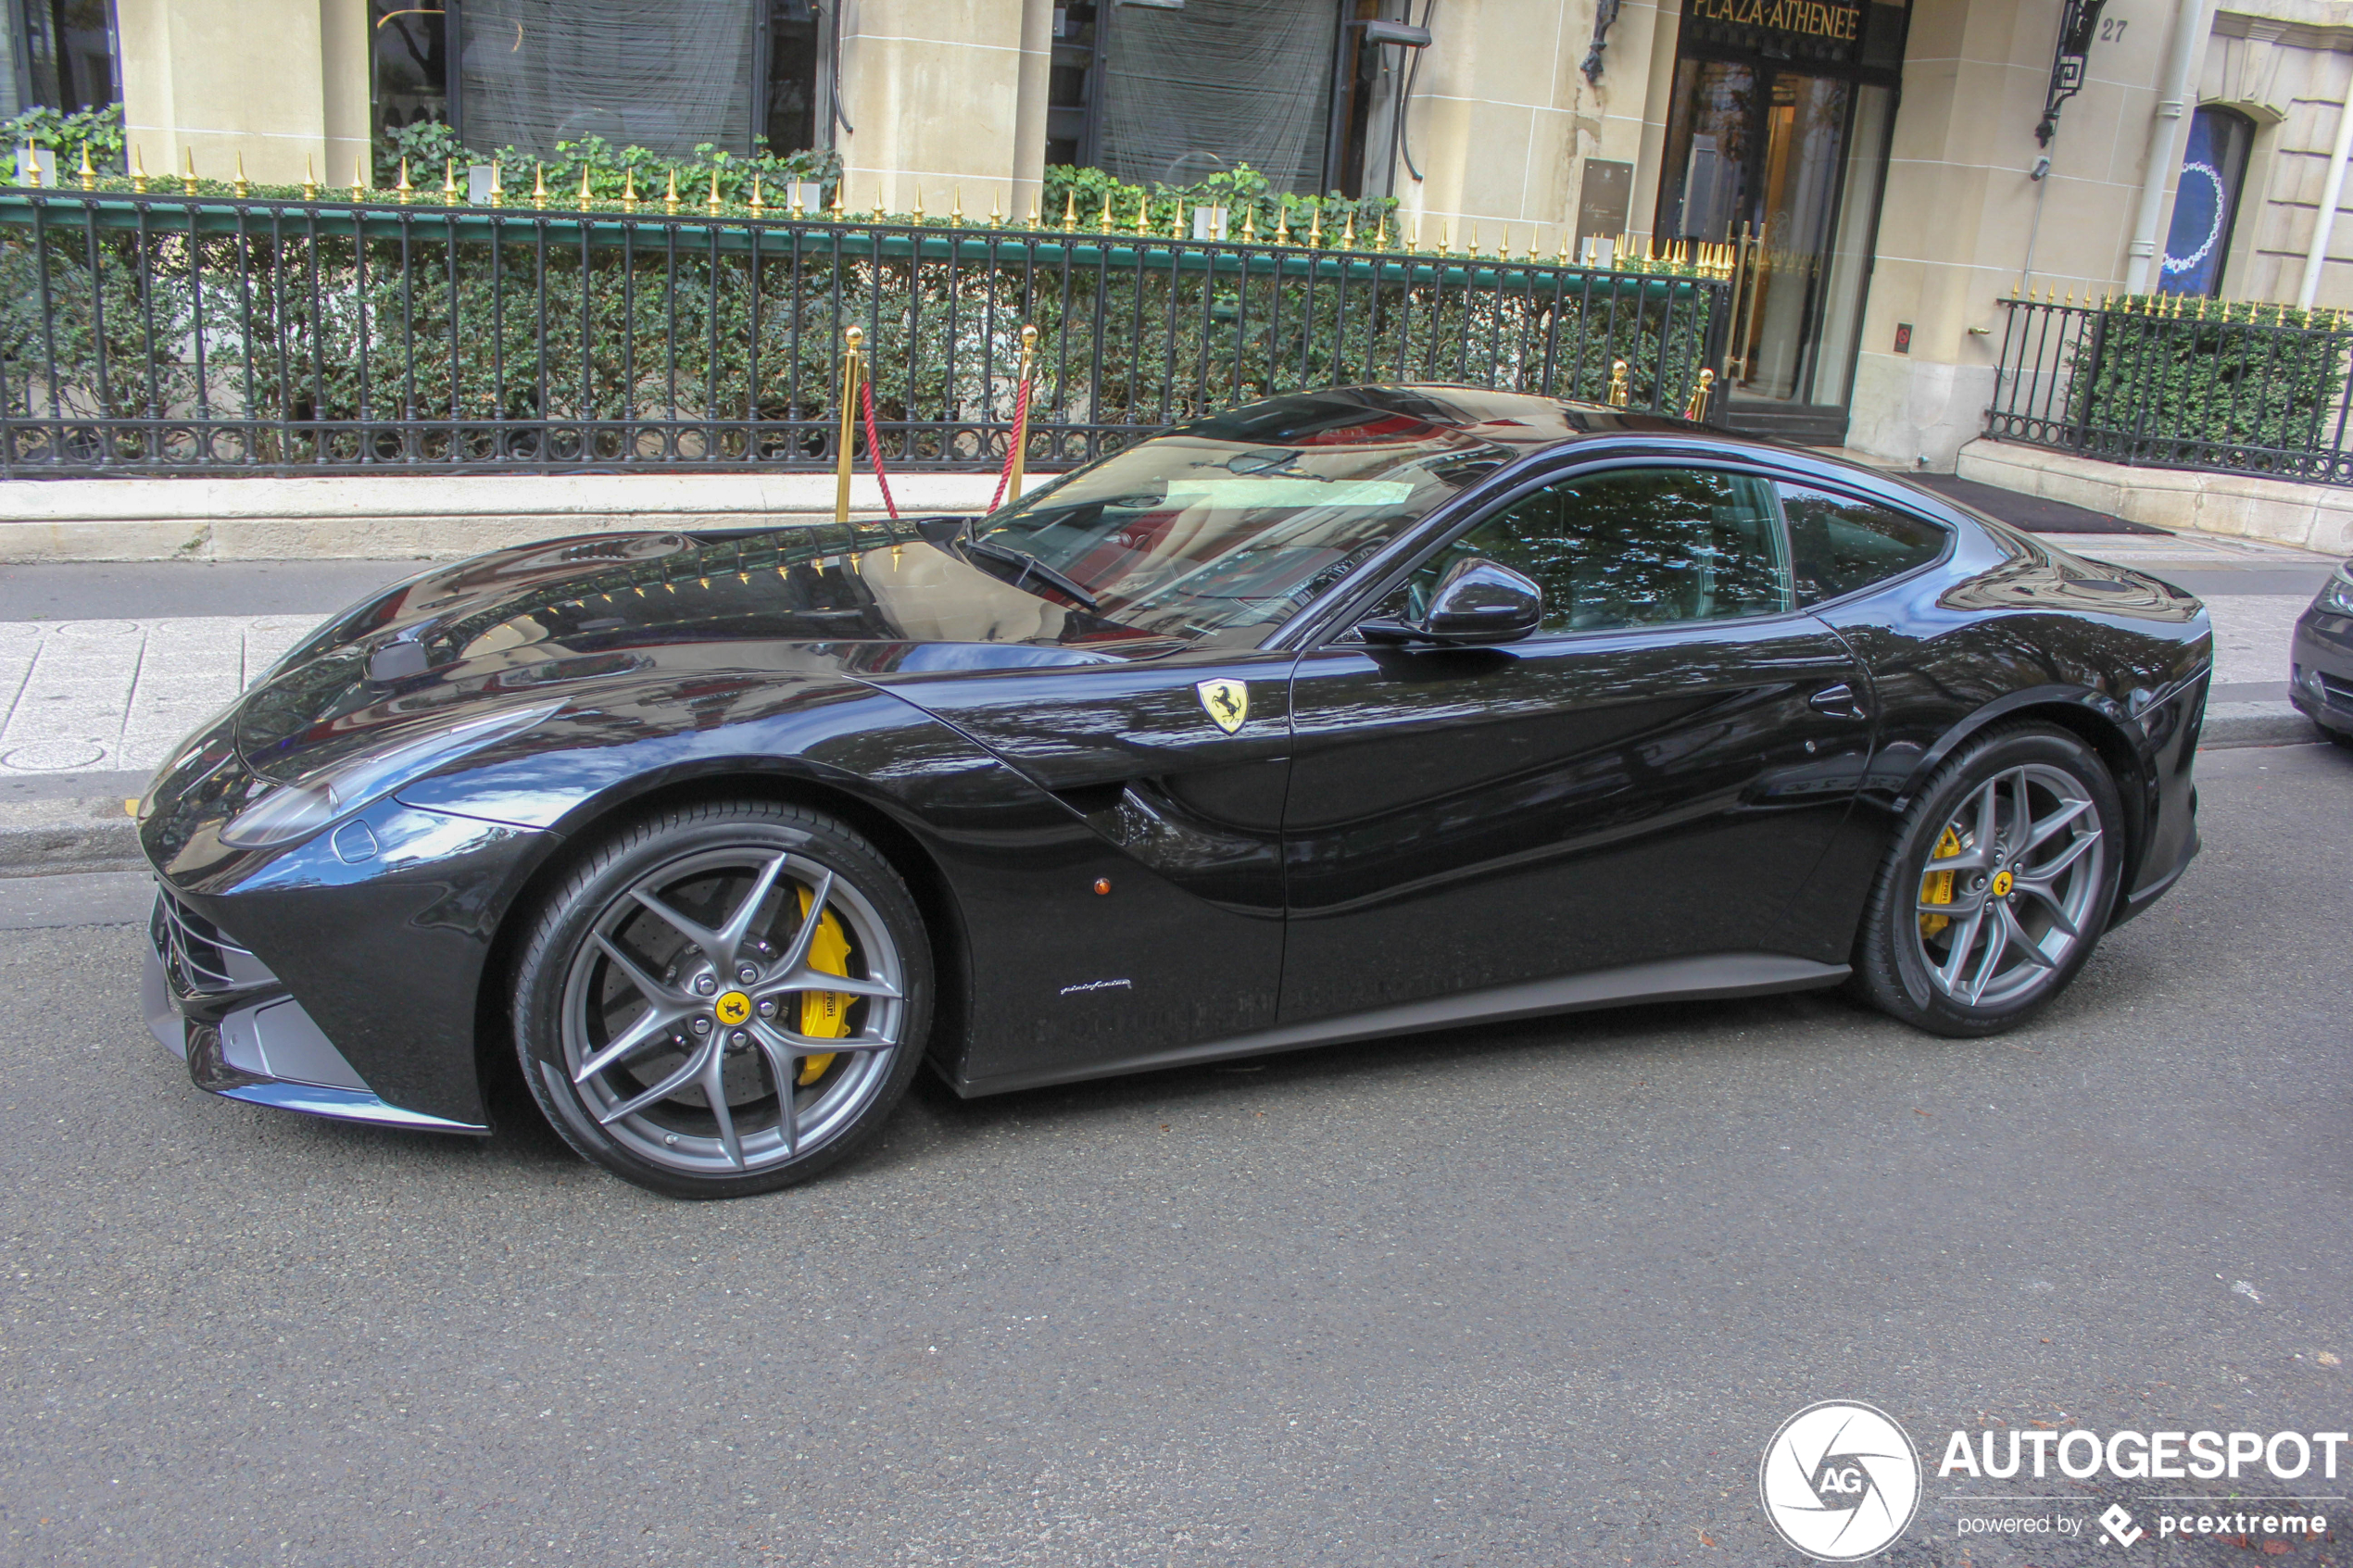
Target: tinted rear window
column 1838, row 544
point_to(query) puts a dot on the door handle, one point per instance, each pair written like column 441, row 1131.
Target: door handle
column 1837, row 702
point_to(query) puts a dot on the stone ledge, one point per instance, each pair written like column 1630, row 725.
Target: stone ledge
column 2308, row 517
column 431, row 517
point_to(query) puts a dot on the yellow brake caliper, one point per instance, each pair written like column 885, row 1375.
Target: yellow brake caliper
column 824, row 1015
column 1936, row 888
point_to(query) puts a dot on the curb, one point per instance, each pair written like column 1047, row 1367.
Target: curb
column 2254, row 723
column 93, row 834
column 41, row 837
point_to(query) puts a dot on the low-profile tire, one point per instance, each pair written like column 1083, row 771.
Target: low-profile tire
column 722, row 999
column 1973, row 924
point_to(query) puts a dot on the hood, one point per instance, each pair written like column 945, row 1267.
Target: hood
column 532, row 625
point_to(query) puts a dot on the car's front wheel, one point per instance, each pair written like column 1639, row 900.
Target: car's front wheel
column 1998, row 886
column 723, row 1000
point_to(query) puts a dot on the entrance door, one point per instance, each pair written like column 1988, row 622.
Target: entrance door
column 1793, row 159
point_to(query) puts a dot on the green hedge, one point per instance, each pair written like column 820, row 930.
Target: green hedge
column 2221, row 384
column 453, row 317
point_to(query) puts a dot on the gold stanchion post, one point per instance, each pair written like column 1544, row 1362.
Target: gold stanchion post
column 1697, row 409
column 853, row 368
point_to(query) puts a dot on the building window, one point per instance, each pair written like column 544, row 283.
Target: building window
column 2206, row 202
column 670, row 75
column 65, row 53
column 797, row 47
column 1194, row 87
column 408, row 52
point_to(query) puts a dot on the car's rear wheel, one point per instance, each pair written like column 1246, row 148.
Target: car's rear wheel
column 723, row 1000
column 1998, row 886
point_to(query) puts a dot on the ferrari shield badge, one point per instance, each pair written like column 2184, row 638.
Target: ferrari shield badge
column 1226, row 701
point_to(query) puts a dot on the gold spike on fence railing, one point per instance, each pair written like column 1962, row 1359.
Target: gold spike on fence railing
column 138, row 170
column 668, row 194
column 1619, row 396
column 1445, row 236
column 917, row 214
column 359, row 177
column 1070, row 212
column 1282, row 222
column 1249, row 225
column 1380, row 232
column 996, row 209
column 1472, row 249
column 1347, row 232
column 1696, row 409
column 89, row 175
column 628, row 190
column 1144, row 215
column 853, row 368
column 188, row 179
column 713, row 205
column 405, row 191
column 449, row 182
column 758, row 204
column 1102, row 223
column 497, row 184
column 587, row 191
column 240, row 185
column 1035, row 203
column 1315, row 229
column 1021, row 415
column 309, row 180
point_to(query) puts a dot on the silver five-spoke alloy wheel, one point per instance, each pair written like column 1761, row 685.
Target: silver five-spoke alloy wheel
column 686, row 1011
column 2009, row 889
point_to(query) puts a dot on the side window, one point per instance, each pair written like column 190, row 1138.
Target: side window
column 1837, row 546
column 1635, row 547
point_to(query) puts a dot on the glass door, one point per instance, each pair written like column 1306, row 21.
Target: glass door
column 1794, row 158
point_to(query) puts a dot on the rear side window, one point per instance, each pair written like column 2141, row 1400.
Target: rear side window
column 1838, row 544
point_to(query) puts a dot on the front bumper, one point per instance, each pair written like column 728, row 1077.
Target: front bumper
column 2320, row 674
column 216, row 1006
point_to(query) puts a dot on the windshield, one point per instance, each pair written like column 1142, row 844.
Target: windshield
column 1227, row 527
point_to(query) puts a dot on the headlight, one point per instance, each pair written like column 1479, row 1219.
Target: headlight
column 291, row 811
column 2337, row 596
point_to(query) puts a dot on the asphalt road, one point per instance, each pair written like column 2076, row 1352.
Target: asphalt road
column 1537, row 1294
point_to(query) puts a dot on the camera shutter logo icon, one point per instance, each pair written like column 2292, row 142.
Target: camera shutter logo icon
column 1840, row 1481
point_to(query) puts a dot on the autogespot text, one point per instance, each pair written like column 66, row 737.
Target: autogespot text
column 2144, row 1456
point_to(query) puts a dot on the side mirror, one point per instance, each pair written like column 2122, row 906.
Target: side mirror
column 1480, row 603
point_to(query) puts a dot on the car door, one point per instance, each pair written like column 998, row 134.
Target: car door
column 1651, row 776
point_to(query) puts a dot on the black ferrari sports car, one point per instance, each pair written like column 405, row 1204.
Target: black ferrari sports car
column 1342, row 715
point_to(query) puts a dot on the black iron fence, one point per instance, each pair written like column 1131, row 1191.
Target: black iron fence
column 2167, row 382
column 155, row 334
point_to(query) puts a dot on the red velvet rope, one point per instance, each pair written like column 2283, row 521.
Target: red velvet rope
column 873, row 447
column 1012, row 448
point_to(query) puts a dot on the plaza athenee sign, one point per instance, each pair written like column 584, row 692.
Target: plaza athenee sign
column 1808, row 19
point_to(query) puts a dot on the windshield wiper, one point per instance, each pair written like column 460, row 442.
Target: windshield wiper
column 1031, row 566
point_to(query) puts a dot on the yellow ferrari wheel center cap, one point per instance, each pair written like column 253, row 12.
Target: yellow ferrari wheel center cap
column 732, row 1008
column 2003, row 882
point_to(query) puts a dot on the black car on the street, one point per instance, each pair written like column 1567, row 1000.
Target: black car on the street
column 1345, row 714
column 2319, row 676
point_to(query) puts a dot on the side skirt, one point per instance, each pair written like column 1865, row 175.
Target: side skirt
column 1713, row 976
